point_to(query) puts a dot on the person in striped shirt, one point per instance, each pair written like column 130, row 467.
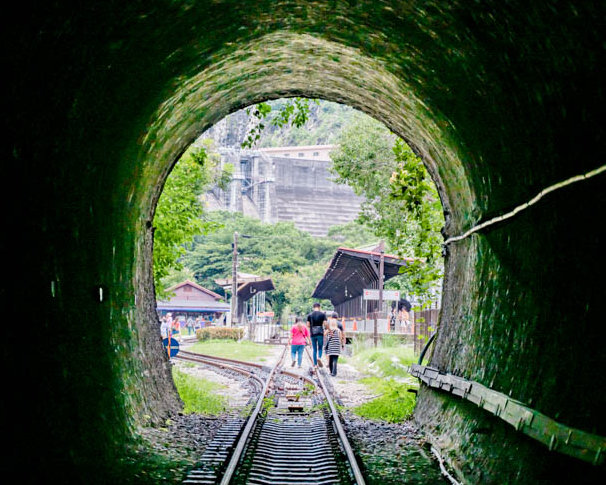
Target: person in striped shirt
column 334, row 344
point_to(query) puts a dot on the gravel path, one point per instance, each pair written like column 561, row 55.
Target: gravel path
column 392, row 453
column 180, row 442
column 348, row 388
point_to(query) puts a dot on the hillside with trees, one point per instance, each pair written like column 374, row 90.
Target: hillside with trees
column 325, row 121
column 292, row 258
column 402, row 206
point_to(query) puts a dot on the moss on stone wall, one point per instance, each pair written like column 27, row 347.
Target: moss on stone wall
column 499, row 98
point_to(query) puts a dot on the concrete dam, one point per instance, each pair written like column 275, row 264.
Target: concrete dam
column 290, row 184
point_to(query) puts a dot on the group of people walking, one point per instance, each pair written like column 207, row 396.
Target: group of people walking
column 174, row 325
column 323, row 333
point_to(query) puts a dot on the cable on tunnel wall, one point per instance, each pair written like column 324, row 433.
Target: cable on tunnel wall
column 520, row 208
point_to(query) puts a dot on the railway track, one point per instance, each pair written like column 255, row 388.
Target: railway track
column 293, row 436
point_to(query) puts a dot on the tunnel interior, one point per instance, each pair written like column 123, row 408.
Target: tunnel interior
column 500, row 100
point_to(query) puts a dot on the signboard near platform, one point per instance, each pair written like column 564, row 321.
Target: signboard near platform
column 371, row 294
column 171, row 345
column 265, row 314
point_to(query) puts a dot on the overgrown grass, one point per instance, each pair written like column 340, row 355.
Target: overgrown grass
column 390, row 359
column 394, row 403
column 199, row 395
column 243, row 350
column 386, row 367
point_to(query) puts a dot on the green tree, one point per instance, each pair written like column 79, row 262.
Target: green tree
column 299, row 286
column 274, row 250
column 402, row 204
column 180, row 212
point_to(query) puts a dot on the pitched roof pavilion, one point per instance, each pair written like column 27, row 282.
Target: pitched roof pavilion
column 353, row 270
column 248, row 285
column 191, row 297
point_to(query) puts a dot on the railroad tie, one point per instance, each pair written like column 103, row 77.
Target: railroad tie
column 293, row 450
column 213, row 460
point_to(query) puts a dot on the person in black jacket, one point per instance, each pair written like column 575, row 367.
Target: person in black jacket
column 316, row 321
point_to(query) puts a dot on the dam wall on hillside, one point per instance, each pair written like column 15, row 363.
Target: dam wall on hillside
column 286, row 188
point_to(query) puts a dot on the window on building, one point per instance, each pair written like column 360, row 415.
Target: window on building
column 287, row 154
column 316, row 154
column 301, row 154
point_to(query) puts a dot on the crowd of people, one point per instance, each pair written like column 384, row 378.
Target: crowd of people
column 323, row 333
column 175, row 325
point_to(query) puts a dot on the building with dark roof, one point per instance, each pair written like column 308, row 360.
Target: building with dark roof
column 251, row 294
column 350, row 272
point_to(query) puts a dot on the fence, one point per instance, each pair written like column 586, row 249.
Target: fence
column 419, row 328
column 266, row 333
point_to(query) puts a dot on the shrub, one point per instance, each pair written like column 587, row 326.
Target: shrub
column 229, row 333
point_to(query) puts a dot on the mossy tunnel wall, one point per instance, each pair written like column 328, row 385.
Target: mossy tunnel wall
column 501, row 99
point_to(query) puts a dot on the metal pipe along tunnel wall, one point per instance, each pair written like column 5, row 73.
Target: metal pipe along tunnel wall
column 501, row 99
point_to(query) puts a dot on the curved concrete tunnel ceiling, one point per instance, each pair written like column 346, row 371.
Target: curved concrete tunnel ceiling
column 500, row 100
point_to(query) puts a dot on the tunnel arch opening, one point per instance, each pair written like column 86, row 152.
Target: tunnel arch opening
column 223, row 199
column 304, row 66
column 300, row 66
column 454, row 81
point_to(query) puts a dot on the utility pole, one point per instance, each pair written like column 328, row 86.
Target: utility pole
column 381, row 271
column 234, row 281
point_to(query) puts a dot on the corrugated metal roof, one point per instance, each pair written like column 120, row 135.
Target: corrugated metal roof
column 353, row 270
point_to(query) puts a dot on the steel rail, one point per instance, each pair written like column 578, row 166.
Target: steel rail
column 221, row 365
column 340, row 431
column 235, row 458
column 223, row 362
column 223, row 359
column 251, row 364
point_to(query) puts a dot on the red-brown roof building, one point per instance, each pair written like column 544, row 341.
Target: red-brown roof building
column 192, row 299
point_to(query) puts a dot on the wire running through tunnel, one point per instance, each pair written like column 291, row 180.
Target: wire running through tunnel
column 524, row 206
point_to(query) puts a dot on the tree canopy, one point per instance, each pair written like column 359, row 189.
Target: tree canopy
column 180, row 212
column 292, row 258
column 271, row 250
column 402, row 204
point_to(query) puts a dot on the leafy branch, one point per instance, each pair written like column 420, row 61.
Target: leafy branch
column 295, row 112
column 180, row 211
column 402, row 204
